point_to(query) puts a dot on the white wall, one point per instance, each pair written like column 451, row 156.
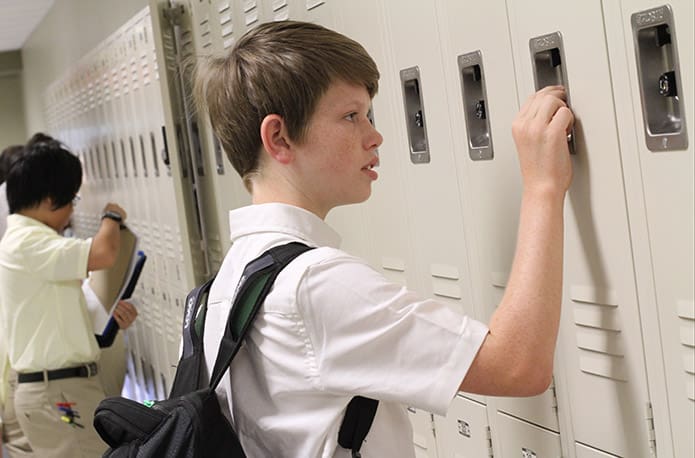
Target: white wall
column 12, row 128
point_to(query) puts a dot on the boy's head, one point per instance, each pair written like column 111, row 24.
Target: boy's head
column 278, row 68
column 7, row 158
column 46, row 170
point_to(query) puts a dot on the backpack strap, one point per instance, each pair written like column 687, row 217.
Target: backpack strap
column 190, row 368
column 359, row 416
column 254, row 285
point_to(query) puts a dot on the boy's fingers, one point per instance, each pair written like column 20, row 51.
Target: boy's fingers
column 548, row 106
column 563, row 119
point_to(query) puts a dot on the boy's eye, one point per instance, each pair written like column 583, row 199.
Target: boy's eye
column 351, row 116
column 370, row 116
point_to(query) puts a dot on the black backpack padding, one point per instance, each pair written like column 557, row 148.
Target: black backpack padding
column 190, row 423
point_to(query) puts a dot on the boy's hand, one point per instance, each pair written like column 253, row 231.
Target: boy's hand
column 124, row 314
column 540, row 132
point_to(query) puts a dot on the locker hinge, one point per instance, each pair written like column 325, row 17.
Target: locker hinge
column 651, row 433
column 488, row 438
column 173, row 13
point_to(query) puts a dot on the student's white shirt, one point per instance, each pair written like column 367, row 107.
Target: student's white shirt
column 331, row 328
column 42, row 308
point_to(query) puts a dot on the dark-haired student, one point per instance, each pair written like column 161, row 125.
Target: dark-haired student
column 43, row 316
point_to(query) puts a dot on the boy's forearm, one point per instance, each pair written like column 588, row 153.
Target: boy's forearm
column 529, row 314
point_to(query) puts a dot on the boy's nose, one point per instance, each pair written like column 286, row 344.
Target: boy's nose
column 374, row 139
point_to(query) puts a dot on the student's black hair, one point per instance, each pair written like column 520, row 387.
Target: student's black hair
column 38, row 137
column 7, row 158
column 46, row 169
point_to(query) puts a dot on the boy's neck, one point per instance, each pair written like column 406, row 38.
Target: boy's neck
column 42, row 213
column 261, row 194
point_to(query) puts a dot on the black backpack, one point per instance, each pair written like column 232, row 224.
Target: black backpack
column 190, row 423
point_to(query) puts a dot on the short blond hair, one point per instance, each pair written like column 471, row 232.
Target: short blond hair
column 278, row 68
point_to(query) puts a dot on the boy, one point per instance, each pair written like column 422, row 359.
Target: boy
column 45, row 326
column 290, row 106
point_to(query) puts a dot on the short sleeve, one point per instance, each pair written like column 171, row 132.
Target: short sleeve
column 375, row 338
column 57, row 258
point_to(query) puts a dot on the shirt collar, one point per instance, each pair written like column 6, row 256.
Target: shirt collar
column 282, row 218
column 17, row 220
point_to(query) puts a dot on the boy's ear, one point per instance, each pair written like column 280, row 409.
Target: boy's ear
column 273, row 136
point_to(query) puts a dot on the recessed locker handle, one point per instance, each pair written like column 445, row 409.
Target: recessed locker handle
column 548, row 58
column 659, row 78
column 415, row 115
column 475, row 106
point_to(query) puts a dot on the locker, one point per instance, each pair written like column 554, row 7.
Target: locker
column 600, row 342
column 659, row 187
column 384, row 234
column 518, row 438
column 479, row 68
column 221, row 189
column 465, row 431
column 423, row 433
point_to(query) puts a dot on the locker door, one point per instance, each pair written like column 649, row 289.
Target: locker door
column 145, row 182
column 350, row 221
column 480, row 72
column 465, row 431
column 423, row 433
column 644, row 36
column 230, row 191
column 600, row 343
column 518, row 438
column 384, row 213
column 203, row 23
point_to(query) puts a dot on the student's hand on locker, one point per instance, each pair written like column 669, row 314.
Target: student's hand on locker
column 540, row 132
column 124, row 314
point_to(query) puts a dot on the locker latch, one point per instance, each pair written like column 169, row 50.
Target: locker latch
column 667, row 84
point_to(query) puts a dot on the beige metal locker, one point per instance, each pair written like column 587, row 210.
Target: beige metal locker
column 477, row 55
column 603, row 389
column 385, row 220
column 465, row 431
column 656, row 131
column 424, row 436
column 518, row 438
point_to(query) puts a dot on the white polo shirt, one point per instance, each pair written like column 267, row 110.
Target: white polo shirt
column 43, row 314
column 331, row 328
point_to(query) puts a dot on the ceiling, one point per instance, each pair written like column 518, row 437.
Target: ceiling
column 18, row 18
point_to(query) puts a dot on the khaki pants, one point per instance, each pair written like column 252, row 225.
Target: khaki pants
column 40, row 418
column 13, row 438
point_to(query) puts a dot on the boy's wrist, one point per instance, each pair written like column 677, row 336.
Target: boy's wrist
column 112, row 215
